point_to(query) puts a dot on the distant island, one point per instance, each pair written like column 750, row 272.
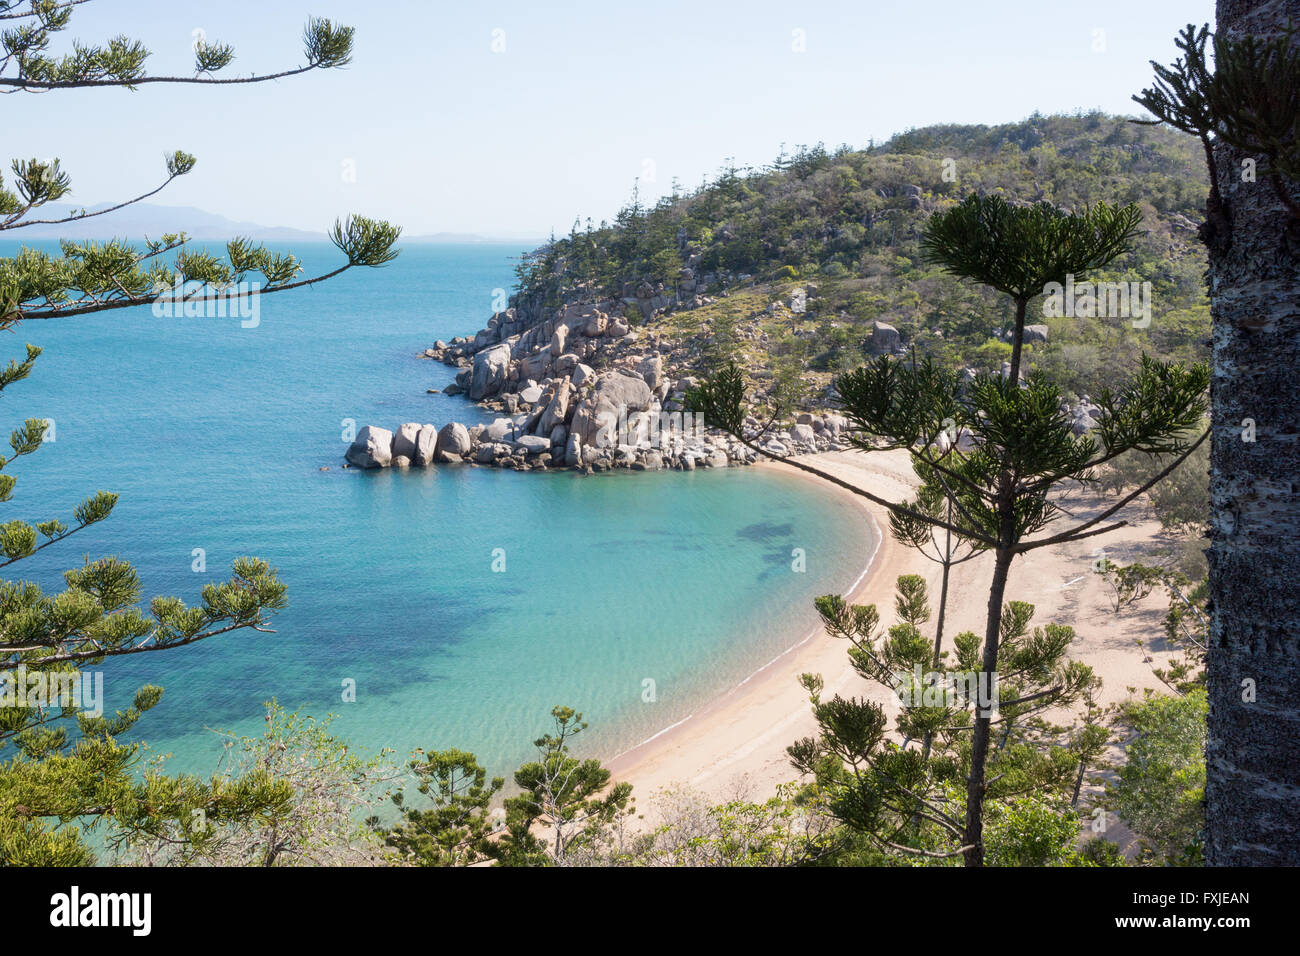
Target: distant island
column 147, row 219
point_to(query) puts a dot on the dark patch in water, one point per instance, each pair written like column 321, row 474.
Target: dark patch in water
column 765, row 531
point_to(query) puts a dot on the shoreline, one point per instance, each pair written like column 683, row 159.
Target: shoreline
column 631, row 752
column 734, row 747
column 731, row 731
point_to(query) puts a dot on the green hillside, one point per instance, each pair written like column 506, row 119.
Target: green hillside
column 718, row 264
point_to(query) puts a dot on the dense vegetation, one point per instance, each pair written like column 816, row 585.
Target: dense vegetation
column 848, row 223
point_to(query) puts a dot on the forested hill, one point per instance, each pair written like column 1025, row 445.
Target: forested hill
column 717, row 266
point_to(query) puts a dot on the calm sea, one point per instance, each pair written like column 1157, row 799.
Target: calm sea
column 633, row 598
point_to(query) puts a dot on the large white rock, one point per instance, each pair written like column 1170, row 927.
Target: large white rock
column 1083, row 422
column 372, row 448
column 652, row 370
column 533, row 444
column 560, row 336
column 572, row 451
column 404, row 440
column 557, row 412
column 502, row 429
column 537, row 365
column 884, row 338
column 426, row 445
column 453, row 442
column 803, row 433
column 491, row 368
column 620, row 392
column 582, row 374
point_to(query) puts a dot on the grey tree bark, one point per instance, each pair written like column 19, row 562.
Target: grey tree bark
column 1253, row 750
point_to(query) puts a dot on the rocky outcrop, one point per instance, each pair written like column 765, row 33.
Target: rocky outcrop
column 453, row 442
column 372, row 448
column 884, row 339
column 491, row 368
column 619, row 394
column 581, row 386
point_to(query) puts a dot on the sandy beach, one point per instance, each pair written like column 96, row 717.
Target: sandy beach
column 735, row 746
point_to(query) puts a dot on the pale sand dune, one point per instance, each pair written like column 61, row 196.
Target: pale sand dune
column 736, row 745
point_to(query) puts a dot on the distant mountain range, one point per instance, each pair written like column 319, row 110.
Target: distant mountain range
column 145, row 219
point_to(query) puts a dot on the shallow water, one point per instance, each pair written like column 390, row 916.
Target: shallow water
column 633, row 597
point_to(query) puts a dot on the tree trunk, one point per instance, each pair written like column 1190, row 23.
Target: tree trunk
column 1018, row 339
column 973, row 836
column 1253, row 747
column 943, row 589
column 928, row 740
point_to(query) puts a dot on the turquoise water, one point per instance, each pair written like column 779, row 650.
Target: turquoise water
column 214, row 435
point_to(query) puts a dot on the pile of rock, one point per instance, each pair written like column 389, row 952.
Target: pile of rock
column 411, row 444
column 1083, row 415
column 508, row 443
column 576, row 387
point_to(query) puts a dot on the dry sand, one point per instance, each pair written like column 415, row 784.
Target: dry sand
column 735, row 746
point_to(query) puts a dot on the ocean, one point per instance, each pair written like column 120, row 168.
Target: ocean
column 634, row 598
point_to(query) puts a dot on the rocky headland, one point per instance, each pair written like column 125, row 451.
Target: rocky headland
column 797, row 272
column 579, row 387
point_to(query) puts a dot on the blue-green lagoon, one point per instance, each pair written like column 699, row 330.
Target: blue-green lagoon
column 215, row 435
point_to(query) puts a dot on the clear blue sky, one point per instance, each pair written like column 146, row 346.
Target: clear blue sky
column 446, row 134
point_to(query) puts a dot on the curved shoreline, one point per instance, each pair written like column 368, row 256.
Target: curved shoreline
column 735, row 747
column 743, row 732
column 720, row 699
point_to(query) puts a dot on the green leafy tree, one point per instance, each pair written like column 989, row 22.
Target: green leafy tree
column 1187, row 629
column 1029, row 831
column 1160, row 789
column 937, row 543
column 1019, row 250
column 317, row 824
column 61, row 767
column 791, row 828
column 899, row 795
column 451, row 825
column 1128, row 582
column 566, row 798
column 1090, row 737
